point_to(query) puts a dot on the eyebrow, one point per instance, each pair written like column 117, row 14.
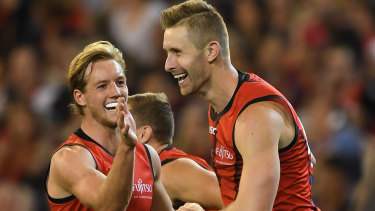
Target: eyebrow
column 172, row 49
column 101, row 81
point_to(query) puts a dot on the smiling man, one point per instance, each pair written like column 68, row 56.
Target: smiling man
column 259, row 147
column 101, row 166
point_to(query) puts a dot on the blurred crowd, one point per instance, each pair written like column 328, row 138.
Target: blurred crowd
column 319, row 53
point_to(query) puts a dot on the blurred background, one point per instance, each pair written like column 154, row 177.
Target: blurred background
column 319, row 53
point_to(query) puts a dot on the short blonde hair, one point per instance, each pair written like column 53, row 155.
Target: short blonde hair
column 153, row 109
column 100, row 50
column 201, row 20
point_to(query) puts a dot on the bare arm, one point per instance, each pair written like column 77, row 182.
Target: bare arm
column 184, row 180
column 257, row 134
column 73, row 171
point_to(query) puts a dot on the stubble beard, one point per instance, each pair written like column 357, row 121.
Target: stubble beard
column 103, row 120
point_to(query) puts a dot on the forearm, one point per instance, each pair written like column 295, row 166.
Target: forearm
column 116, row 191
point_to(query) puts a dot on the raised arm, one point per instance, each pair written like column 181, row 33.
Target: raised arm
column 73, row 171
column 257, row 133
column 187, row 181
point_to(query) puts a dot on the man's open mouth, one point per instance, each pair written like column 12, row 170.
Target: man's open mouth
column 111, row 106
column 180, row 77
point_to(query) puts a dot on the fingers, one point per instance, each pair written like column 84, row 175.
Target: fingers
column 125, row 123
column 120, row 113
column 191, row 207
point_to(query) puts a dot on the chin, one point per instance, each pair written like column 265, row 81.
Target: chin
column 110, row 124
column 186, row 92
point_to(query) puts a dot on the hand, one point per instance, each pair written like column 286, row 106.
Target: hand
column 190, row 207
column 125, row 123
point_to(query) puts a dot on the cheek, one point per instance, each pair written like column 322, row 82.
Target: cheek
column 125, row 91
column 187, row 64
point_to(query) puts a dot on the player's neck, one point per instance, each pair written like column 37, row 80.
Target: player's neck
column 224, row 83
column 157, row 145
column 104, row 135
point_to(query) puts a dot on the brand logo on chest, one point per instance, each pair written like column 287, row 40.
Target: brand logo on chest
column 223, row 153
column 140, row 187
column 212, row 130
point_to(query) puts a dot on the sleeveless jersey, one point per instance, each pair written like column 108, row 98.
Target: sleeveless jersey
column 171, row 153
column 296, row 168
column 141, row 198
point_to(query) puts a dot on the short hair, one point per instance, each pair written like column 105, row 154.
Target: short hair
column 100, row 50
column 153, row 109
column 203, row 22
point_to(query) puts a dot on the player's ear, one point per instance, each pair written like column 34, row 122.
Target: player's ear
column 79, row 97
column 145, row 134
column 213, row 50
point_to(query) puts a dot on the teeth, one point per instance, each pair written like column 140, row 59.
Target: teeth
column 180, row 75
column 111, row 105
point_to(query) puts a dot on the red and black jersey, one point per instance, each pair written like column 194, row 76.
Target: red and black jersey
column 296, row 167
column 171, row 153
column 141, row 198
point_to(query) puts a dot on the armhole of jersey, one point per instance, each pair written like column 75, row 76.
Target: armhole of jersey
column 167, row 161
column 266, row 98
column 150, row 160
column 202, row 166
column 71, row 197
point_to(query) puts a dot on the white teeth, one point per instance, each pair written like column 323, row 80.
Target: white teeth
column 111, row 105
column 180, row 75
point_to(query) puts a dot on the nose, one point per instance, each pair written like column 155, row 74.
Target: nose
column 115, row 91
column 169, row 64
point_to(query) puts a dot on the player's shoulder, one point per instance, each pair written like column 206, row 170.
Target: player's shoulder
column 68, row 151
column 71, row 155
column 263, row 111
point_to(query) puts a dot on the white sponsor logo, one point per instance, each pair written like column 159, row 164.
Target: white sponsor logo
column 223, row 153
column 223, row 163
column 212, row 130
column 142, row 187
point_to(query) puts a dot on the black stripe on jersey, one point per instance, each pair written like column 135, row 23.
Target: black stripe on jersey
column 61, row 200
column 167, row 161
column 168, row 147
column 84, row 136
column 149, row 159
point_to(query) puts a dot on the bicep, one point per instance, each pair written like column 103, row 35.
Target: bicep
column 257, row 133
column 73, row 172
